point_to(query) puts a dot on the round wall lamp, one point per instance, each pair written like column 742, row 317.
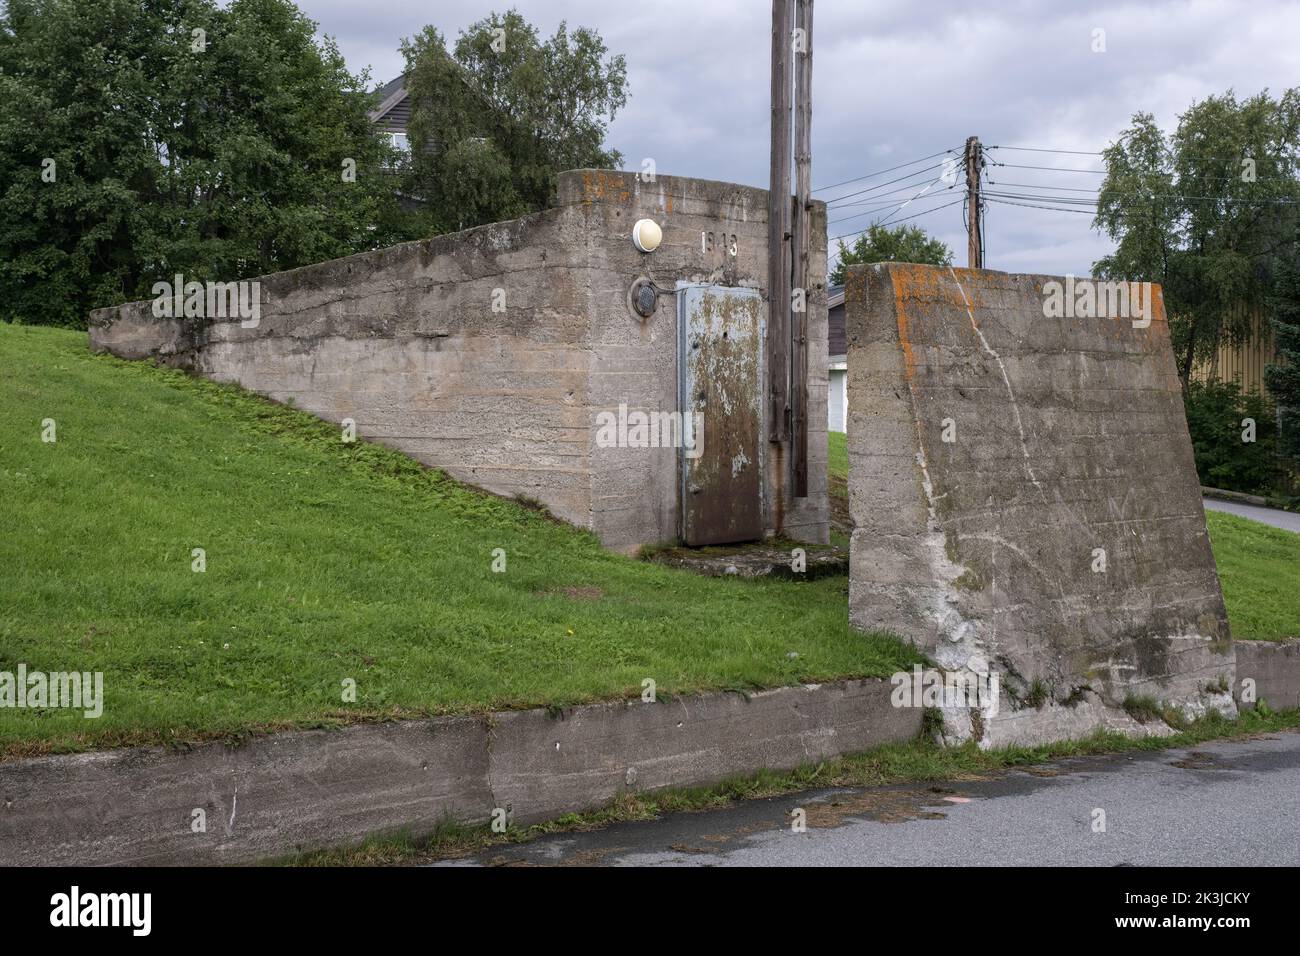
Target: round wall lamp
column 646, row 235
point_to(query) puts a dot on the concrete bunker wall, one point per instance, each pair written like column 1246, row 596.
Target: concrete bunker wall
column 490, row 353
column 996, row 457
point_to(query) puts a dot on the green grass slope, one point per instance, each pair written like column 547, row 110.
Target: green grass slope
column 837, row 455
column 1259, row 568
column 327, row 562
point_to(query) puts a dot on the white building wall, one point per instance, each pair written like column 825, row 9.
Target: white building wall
column 837, row 403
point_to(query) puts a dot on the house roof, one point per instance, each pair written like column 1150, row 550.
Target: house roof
column 394, row 109
column 836, row 342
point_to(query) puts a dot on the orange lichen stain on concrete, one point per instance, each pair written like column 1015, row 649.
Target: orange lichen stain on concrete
column 1155, row 309
column 904, row 337
column 1149, row 298
column 976, row 283
column 604, row 187
column 1158, row 299
column 913, row 283
column 970, row 291
column 1152, row 300
column 855, row 285
column 920, row 282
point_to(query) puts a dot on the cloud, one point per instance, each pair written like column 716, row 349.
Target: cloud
column 893, row 82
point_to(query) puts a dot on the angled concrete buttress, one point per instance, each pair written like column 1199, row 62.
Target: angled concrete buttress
column 1025, row 499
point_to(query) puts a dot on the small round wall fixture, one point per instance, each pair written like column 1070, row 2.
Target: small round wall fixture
column 646, row 235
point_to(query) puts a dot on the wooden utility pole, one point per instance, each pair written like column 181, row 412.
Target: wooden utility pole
column 800, row 248
column 974, row 245
column 778, row 229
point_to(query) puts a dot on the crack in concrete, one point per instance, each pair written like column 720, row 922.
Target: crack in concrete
column 1015, row 405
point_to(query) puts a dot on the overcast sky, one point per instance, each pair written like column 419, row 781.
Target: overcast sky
column 893, row 82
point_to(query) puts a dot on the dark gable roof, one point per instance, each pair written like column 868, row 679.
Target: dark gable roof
column 836, row 342
column 394, row 109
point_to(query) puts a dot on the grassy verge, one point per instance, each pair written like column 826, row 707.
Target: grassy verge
column 837, row 455
column 1259, row 568
column 837, row 487
column 327, row 562
column 919, row 761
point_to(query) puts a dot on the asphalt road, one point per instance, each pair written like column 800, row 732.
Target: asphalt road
column 1232, row 803
column 1288, row 520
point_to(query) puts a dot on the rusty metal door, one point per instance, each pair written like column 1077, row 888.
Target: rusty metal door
column 720, row 381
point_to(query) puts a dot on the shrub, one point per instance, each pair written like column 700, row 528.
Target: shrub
column 1215, row 412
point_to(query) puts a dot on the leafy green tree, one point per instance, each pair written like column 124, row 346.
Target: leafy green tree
column 143, row 139
column 902, row 243
column 1204, row 212
column 1215, row 412
column 494, row 119
column 1283, row 378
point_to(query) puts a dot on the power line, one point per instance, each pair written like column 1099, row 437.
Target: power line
column 1073, row 189
column 1048, row 196
column 1072, row 200
column 873, row 199
column 1051, row 169
column 1078, row 152
column 1098, row 172
column 909, row 181
column 1005, row 202
column 1085, row 189
column 924, row 212
column 904, row 205
column 892, row 204
column 1097, row 190
column 898, row 207
column 881, row 172
column 1039, row 149
column 1150, row 197
column 887, row 183
column 1045, row 197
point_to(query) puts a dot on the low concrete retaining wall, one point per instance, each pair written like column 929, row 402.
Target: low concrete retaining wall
column 304, row 790
column 1221, row 495
column 1274, row 666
